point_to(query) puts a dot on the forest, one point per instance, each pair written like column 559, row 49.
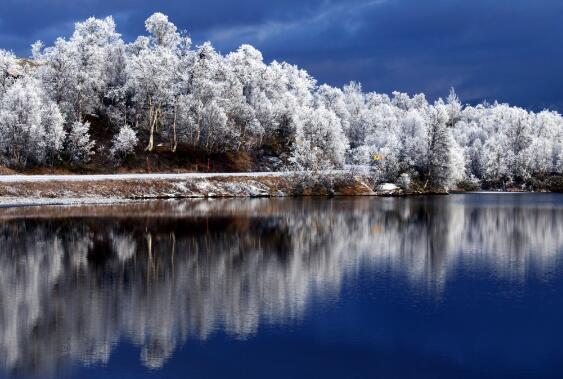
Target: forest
column 93, row 101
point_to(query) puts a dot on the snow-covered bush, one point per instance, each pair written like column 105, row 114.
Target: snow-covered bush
column 124, row 142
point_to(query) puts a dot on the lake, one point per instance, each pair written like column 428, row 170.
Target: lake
column 460, row 286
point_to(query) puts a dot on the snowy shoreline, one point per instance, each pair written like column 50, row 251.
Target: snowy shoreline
column 31, row 190
column 43, row 190
column 125, row 177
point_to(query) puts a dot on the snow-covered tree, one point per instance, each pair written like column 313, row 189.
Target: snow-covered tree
column 163, row 33
column 454, row 108
column 538, row 157
column 151, row 78
column 7, row 64
column 439, row 145
column 79, row 146
column 124, row 142
column 412, row 133
column 497, row 158
column 31, row 126
column 457, row 169
column 78, row 72
column 154, row 78
column 53, row 125
column 320, row 142
column 355, row 104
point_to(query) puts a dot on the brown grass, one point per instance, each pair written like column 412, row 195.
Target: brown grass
column 158, row 188
column 6, row 171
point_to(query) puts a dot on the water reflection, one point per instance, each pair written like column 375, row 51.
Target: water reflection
column 76, row 281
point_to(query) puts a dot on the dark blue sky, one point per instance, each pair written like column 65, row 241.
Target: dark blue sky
column 510, row 50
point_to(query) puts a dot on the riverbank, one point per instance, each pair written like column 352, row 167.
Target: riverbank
column 21, row 190
column 29, row 190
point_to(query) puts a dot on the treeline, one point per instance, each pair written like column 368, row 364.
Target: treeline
column 159, row 92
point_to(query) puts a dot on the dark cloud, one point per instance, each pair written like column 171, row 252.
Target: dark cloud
column 505, row 50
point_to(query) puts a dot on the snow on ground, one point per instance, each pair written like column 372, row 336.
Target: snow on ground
column 89, row 178
column 387, row 187
column 156, row 176
column 27, row 190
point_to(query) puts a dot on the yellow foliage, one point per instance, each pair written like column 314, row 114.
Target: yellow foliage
column 378, row 157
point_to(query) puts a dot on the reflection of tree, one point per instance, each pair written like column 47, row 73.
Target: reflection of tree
column 72, row 286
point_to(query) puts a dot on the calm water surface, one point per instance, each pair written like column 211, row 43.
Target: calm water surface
column 453, row 287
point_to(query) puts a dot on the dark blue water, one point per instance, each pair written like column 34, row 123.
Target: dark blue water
column 465, row 286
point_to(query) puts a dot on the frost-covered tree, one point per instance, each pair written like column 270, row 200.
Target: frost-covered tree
column 248, row 65
column 457, row 162
column 151, row 78
column 79, row 146
column 7, row 64
column 78, row 72
column 252, row 113
column 124, row 142
column 319, row 140
column 355, row 105
column 454, row 108
column 163, row 33
column 154, row 79
column 215, row 94
column 53, row 125
column 439, row 145
column 216, row 131
column 31, row 126
column 538, row 157
column 412, row 133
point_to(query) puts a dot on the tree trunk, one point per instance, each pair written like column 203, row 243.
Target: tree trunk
column 153, row 122
column 175, row 142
